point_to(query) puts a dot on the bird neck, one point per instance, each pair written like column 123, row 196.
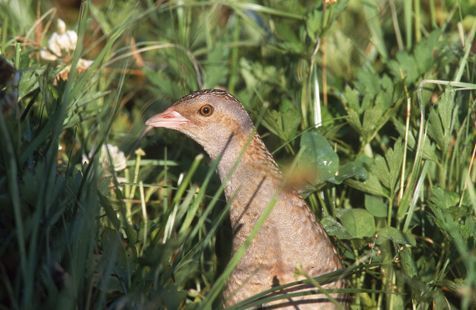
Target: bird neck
column 246, row 156
column 251, row 177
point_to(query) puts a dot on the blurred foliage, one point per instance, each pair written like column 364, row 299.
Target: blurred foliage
column 390, row 173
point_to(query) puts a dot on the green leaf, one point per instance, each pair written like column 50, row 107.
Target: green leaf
column 368, row 82
column 289, row 37
column 380, row 169
column 313, row 23
column 413, row 66
column 358, row 222
column 354, row 120
column 351, row 97
column 372, row 186
column 285, row 122
column 375, row 206
column 404, row 66
column 354, row 169
column 388, row 169
column 317, row 154
column 394, row 159
column 408, row 264
column 428, row 148
column 290, row 117
column 442, row 198
column 334, row 228
column 440, row 122
column 396, row 236
column 424, row 51
column 369, row 124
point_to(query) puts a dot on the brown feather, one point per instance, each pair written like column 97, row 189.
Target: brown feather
column 290, row 238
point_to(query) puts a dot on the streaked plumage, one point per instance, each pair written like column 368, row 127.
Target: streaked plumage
column 291, row 237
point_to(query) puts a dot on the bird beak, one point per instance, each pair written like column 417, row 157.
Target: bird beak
column 167, row 119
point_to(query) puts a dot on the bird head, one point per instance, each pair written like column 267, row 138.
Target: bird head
column 210, row 117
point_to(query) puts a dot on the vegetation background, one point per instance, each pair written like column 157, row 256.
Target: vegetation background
column 391, row 84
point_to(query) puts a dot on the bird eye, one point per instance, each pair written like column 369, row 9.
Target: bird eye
column 206, row 110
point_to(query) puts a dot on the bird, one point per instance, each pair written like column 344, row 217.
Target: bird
column 290, row 238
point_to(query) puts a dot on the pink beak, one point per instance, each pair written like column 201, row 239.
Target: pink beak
column 167, row 119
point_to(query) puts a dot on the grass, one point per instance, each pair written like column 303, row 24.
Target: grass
column 390, row 170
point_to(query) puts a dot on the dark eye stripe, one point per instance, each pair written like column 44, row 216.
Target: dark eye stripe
column 206, row 110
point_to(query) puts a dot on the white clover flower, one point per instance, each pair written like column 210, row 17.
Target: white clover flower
column 83, row 64
column 46, row 55
column 61, row 43
column 119, row 161
column 118, row 158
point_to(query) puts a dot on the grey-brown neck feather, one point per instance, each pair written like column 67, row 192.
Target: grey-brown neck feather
column 250, row 176
column 232, row 157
